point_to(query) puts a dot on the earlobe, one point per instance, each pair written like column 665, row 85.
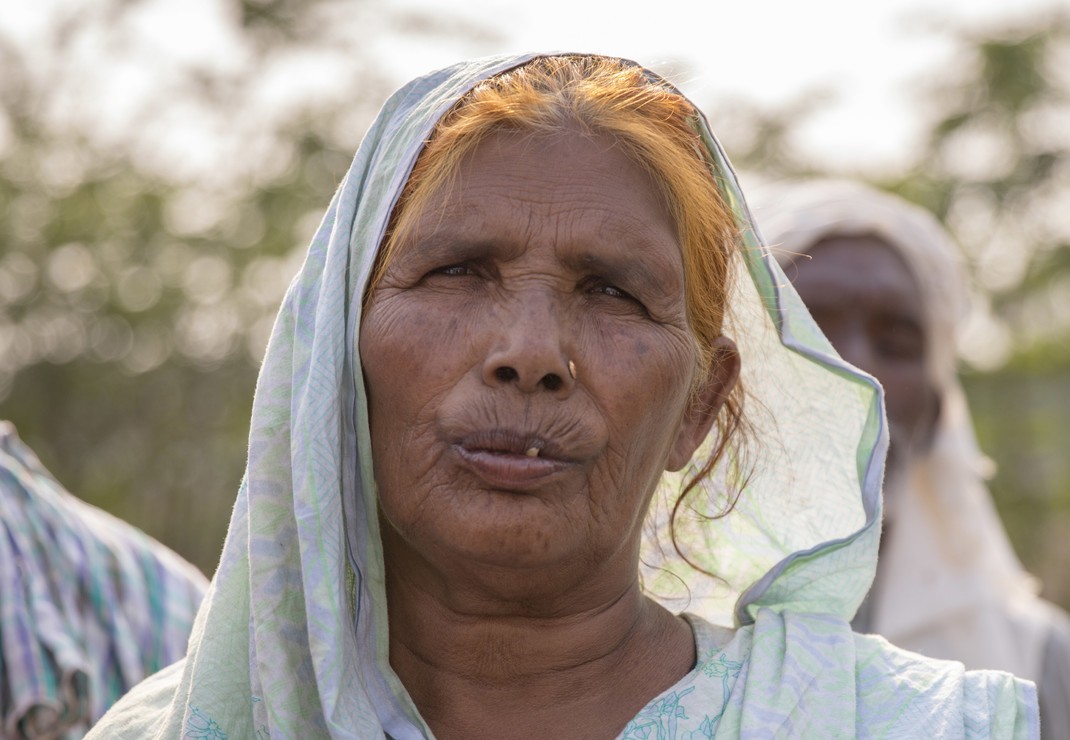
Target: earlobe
column 706, row 403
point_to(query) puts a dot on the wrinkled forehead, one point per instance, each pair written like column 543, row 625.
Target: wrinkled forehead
column 858, row 266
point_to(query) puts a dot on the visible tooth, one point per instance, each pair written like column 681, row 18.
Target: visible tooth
column 532, row 452
column 572, row 369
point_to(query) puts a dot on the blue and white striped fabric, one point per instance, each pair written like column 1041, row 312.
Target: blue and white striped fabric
column 89, row 605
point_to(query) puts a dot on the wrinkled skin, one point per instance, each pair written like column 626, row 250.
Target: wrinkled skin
column 866, row 301
column 545, row 251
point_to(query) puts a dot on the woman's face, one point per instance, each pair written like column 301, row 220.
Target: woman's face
column 528, row 360
column 867, row 302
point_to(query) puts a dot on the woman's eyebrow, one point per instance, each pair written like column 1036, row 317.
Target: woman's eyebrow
column 446, row 247
column 639, row 269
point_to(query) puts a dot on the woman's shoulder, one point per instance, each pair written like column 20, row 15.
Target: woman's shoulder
column 811, row 673
column 899, row 690
column 140, row 713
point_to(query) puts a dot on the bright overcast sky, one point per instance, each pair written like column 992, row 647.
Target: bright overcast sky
column 870, row 54
column 871, row 57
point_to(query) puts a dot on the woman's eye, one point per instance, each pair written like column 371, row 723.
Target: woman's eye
column 599, row 287
column 613, row 292
column 621, row 299
column 900, row 340
column 454, row 270
column 901, row 348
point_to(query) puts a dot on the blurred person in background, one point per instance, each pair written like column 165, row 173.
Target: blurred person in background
column 882, row 280
column 89, row 605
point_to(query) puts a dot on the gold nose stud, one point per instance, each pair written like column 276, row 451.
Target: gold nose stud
column 572, row 369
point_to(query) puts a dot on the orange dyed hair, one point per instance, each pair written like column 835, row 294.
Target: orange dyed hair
column 652, row 124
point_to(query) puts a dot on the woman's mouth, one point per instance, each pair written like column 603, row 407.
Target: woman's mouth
column 510, row 460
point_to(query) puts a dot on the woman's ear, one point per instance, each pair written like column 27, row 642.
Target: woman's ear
column 706, row 402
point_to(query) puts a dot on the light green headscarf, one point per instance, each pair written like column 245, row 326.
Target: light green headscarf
column 292, row 640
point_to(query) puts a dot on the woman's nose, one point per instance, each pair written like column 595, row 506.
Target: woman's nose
column 528, row 381
column 531, row 354
column 855, row 346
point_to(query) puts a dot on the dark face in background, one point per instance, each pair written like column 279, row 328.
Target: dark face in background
column 868, row 304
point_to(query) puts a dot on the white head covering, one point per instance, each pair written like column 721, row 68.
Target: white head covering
column 292, row 640
column 948, row 555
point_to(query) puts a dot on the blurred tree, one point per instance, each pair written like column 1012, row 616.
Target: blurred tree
column 147, row 238
column 994, row 166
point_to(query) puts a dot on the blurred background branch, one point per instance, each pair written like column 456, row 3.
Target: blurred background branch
column 156, row 200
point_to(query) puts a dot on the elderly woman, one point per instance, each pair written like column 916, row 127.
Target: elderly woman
column 882, row 280
column 512, row 322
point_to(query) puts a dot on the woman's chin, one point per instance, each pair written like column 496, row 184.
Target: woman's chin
column 501, row 533
column 515, row 533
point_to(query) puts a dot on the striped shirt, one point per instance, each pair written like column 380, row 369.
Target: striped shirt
column 89, row 605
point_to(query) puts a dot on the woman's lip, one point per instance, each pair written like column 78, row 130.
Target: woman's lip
column 508, row 469
column 509, row 458
column 506, row 442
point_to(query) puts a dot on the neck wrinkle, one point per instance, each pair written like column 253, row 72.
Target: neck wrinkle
column 429, row 637
column 605, row 662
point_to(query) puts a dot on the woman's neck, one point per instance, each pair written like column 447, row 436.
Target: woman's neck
column 488, row 673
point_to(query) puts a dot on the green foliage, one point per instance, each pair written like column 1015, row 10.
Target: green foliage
column 136, row 300
column 1023, row 417
column 996, row 167
column 146, row 243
